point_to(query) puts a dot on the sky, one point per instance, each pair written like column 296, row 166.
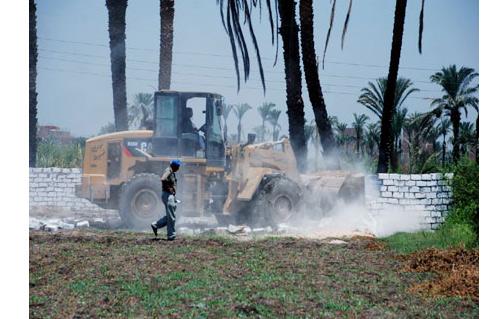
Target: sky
column 74, row 73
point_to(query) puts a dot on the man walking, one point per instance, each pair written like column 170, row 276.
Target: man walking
column 168, row 185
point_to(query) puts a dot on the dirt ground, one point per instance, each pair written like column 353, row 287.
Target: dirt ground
column 89, row 273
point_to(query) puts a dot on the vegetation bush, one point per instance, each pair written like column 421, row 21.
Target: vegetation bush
column 53, row 154
column 448, row 236
column 465, row 185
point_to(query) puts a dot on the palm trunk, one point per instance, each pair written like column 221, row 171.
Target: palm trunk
column 296, row 117
column 312, row 78
column 116, row 25
column 239, row 131
column 32, row 86
column 225, row 130
column 455, row 122
column 263, row 130
column 386, row 135
column 166, row 43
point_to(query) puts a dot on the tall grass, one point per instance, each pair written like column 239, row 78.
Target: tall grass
column 53, row 154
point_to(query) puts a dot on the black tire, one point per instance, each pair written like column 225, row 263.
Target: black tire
column 140, row 201
column 276, row 201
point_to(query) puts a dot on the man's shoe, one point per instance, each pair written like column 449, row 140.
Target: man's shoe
column 171, row 238
column 155, row 229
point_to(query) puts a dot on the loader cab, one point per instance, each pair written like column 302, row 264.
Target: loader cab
column 188, row 124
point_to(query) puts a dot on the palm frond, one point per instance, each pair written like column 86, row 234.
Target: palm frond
column 332, row 16
column 346, row 23
column 421, row 27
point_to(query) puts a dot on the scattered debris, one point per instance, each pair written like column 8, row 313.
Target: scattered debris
column 337, row 242
column 82, row 223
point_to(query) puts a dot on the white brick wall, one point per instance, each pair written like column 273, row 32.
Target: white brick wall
column 55, row 187
column 427, row 193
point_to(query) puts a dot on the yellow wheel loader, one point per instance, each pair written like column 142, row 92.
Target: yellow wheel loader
column 257, row 184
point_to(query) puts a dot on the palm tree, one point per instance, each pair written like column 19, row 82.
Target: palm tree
column 239, row 111
column 467, row 138
column 372, row 98
column 359, row 127
column 444, row 129
column 386, row 134
column 231, row 12
column 296, row 117
column 343, row 139
column 140, row 111
column 33, row 47
column 372, row 137
column 273, row 119
column 312, row 77
column 166, row 43
column 116, row 28
column 458, row 95
column 264, row 111
column 420, row 132
column 226, row 110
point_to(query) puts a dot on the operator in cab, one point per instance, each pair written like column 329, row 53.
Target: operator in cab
column 168, row 185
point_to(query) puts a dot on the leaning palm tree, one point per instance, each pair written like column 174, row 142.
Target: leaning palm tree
column 32, row 86
column 459, row 94
column 239, row 111
column 359, row 128
column 372, row 98
column 166, row 43
column 264, row 111
column 226, row 110
column 310, row 64
column 273, row 119
column 116, row 28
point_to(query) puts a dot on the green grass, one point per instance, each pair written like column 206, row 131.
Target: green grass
column 448, row 236
column 119, row 274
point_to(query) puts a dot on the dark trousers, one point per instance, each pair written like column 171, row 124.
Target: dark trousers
column 169, row 218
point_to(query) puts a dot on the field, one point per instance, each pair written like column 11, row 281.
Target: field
column 120, row 274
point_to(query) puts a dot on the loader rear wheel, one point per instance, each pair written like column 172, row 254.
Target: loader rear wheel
column 276, row 202
column 140, row 201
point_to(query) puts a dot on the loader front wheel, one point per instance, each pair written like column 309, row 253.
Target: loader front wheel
column 140, row 201
column 276, row 201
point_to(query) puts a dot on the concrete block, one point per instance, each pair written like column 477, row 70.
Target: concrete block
column 414, row 189
column 392, row 188
column 435, row 213
column 397, row 195
column 394, row 176
column 383, row 176
column 56, row 170
column 443, row 195
column 436, row 176
column 448, row 175
column 446, row 188
column 409, row 195
column 430, row 207
column 416, row 177
column 410, row 183
column 432, row 183
column 436, row 201
column 435, row 189
column 425, row 189
column 420, row 195
column 404, row 177
column 386, row 194
column 445, row 201
column 383, row 188
column 431, row 195
column 426, row 177
column 388, row 182
column 76, row 170
column 404, row 189
column 421, row 183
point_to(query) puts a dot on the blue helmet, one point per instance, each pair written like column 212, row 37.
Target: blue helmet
column 175, row 163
